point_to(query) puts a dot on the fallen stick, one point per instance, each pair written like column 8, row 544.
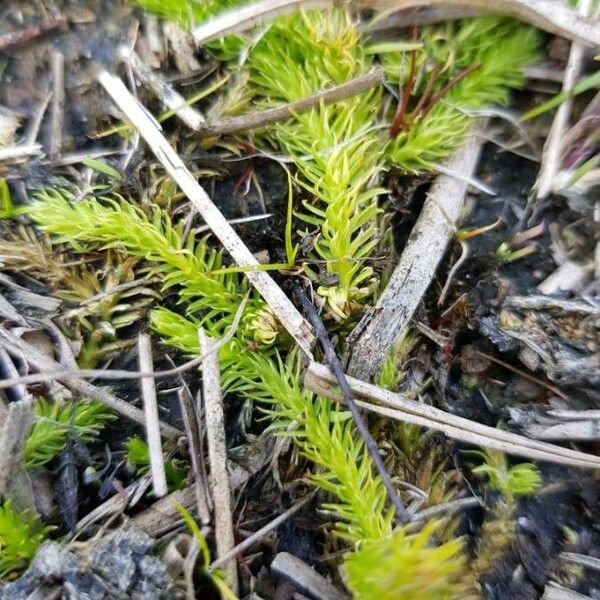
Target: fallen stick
column 319, row 379
column 19, row 348
column 217, row 458
column 377, row 332
column 262, row 118
column 148, row 389
column 150, row 130
column 553, row 17
column 163, row 90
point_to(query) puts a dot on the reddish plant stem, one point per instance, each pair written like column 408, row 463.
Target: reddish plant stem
column 408, row 88
column 451, row 84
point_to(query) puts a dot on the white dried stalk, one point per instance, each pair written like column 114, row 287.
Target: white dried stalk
column 320, row 380
column 247, row 16
column 163, row 90
column 553, row 146
column 386, row 322
column 280, row 304
column 549, row 15
column 57, row 106
column 10, row 153
column 157, row 460
column 217, row 457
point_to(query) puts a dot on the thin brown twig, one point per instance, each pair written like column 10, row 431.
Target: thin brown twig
column 27, row 34
column 535, row 380
column 262, row 118
column 398, row 121
column 259, row 534
column 336, row 366
column 451, row 84
column 70, row 374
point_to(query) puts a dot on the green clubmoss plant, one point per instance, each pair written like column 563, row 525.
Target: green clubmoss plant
column 20, row 535
column 178, row 259
column 54, row 423
column 406, row 566
column 495, row 48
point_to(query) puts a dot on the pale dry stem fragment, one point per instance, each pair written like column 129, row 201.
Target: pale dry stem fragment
column 148, row 389
column 150, row 130
column 320, row 380
column 217, row 456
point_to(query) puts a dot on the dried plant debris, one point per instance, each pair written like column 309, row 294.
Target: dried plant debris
column 564, row 346
column 179, row 181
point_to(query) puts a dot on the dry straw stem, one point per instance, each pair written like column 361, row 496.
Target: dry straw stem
column 245, row 17
column 148, row 389
column 254, row 120
column 163, row 90
column 549, row 15
column 57, row 107
column 19, row 348
column 320, row 380
column 377, row 332
column 150, row 130
column 11, row 153
column 553, row 146
column 217, row 457
column 195, row 452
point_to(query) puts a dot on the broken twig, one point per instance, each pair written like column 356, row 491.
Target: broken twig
column 377, row 332
column 254, row 120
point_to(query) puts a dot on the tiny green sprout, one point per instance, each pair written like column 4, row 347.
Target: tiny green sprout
column 138, row 458
column 20, row 535
column 522, row 479
column 216, row 576
column 7, row 210
column 406, row 566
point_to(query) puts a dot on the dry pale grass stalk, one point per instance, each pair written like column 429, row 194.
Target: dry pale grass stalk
column 268, row 116
column 553, row 17
column 320, row 380
column 148, row 389
column 247, row 16
column 150, row 130
column 553, row 146
column 164, row 91
column 217, row 457
column 19, row 348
